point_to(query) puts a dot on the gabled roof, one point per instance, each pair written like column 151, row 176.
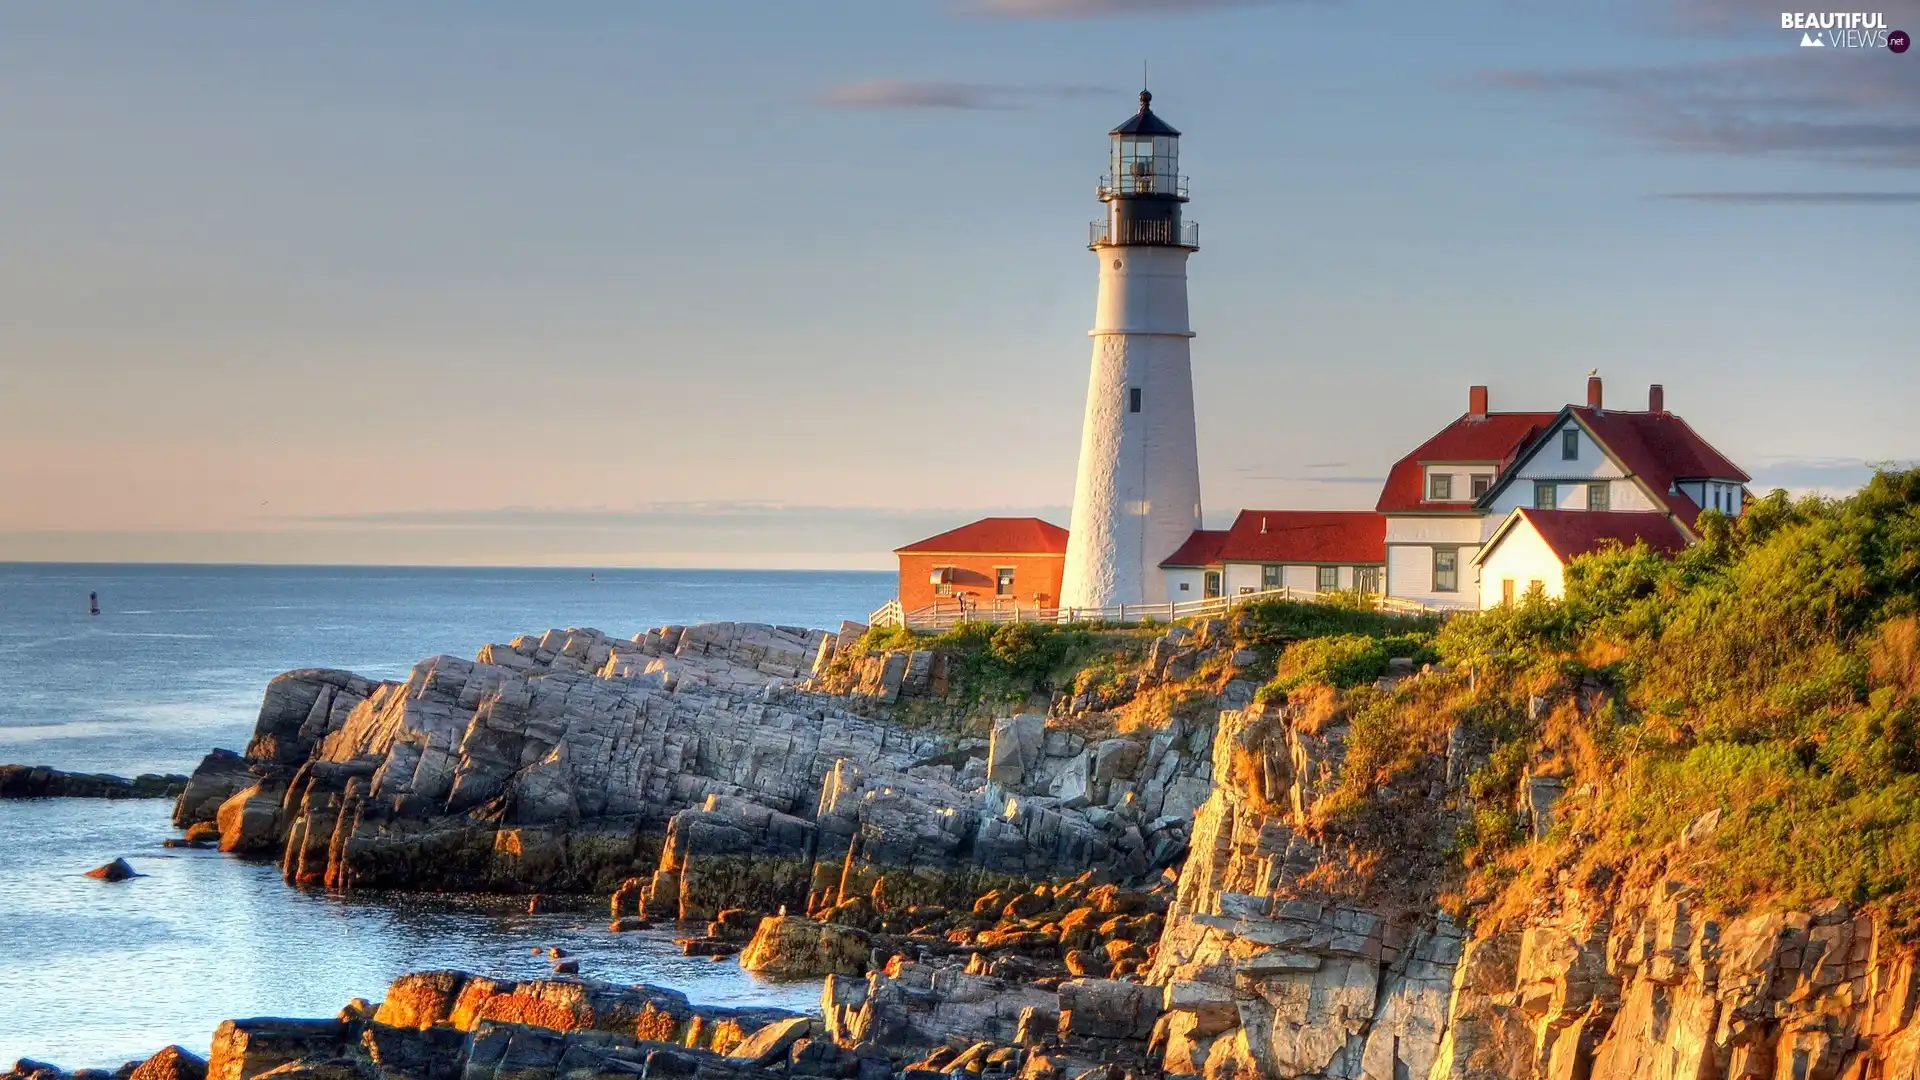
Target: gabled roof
column 994, row 536
column 1306, row 536
column 1494, row 438
column 1200, row 549
column 1572, row 533
column 1657, row 448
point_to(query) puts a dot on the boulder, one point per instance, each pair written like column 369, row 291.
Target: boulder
column 771, row 1043
column 1116, row 759
column 215, row 780
column 117, row 870
column 172, row 1063
column 250, row 819
column 244, row 1049
column 1015, row 748
column 796, row 947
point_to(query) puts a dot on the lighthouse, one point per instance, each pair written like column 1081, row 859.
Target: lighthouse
column 1137, row 495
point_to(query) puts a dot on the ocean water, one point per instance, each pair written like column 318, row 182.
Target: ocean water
column 94, row 974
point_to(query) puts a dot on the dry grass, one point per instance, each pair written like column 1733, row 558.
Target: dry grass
column 1893, row 659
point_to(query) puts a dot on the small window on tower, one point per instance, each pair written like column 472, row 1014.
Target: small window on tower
column 1133, row 399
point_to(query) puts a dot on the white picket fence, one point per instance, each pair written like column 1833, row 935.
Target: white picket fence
column 944, row 616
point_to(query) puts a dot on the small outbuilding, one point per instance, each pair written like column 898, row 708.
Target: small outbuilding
column 993, row 562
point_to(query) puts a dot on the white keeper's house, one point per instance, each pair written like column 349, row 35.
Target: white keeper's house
column 1492, row 506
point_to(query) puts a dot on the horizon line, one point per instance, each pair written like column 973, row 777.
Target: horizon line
column 589, row 567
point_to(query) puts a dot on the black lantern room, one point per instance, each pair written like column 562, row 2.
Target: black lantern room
column 1144, row 189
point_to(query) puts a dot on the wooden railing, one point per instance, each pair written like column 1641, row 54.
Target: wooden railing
column 888, row 614
column 945, row 615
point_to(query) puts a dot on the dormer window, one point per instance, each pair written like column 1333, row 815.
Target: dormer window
column 1440, row 487
column 1480, row 484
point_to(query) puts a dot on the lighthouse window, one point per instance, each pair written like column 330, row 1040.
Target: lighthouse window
column 1133, row 399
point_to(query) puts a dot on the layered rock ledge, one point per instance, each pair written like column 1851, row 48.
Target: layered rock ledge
column 691, row 761
column 41, row 782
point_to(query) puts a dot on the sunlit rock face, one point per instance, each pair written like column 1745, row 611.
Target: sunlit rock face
column 690, row 759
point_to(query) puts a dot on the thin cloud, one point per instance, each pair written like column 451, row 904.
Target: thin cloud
column 704, row 515
column 1821, row 475
column 1841, row 107
column 1796, row 198
column 1103, row 9
column 1372, row 481
column 918, row 94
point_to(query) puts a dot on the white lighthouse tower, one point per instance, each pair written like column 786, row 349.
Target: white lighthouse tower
column 1137, row 497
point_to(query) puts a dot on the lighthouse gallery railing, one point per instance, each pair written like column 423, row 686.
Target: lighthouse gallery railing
column 1164, row 233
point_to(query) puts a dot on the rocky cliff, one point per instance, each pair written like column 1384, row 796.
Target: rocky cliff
column 692, row 759
column 1299, row 949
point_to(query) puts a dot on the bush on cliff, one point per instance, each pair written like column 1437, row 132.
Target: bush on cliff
column 1342, row 661
column 997, row 663
column 1280, row 622
column 1770, row 673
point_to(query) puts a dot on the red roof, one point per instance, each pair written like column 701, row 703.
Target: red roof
column 995, row 536
column 1572, row 533
column 1659, row 448
column 1201, row 549
column 1306, row 536
column 1493, row 438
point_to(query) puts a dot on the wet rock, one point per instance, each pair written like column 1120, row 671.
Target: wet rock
column 40, row 782
column 117, row 870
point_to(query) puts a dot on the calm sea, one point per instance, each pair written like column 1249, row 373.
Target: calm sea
column 95, row 974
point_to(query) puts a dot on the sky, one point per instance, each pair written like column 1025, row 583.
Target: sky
column 776, row 284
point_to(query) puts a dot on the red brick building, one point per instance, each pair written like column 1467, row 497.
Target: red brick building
column 990, row 562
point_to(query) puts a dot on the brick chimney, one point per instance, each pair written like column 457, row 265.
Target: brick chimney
column 1593, row 392
column 1656, row 398
column 1477, row 402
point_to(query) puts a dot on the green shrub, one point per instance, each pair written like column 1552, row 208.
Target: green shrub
column 1341, row 661
column 1278, row 622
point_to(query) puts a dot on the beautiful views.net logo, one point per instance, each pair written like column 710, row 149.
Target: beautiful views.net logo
column 1845, row 30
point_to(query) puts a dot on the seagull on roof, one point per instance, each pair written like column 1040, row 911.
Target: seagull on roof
column 1591, row 372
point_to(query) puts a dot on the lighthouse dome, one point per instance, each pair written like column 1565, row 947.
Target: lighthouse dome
column 1145, row 122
